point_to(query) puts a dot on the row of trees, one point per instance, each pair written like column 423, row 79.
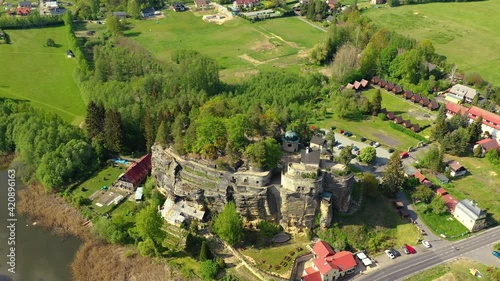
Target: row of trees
column 32, row 20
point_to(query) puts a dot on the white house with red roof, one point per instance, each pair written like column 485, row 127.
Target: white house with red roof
column 328, row 265
column 491, row 121
column 487, row 145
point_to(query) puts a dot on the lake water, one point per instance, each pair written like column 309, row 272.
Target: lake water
column 40, row 256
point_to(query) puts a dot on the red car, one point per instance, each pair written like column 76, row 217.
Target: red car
column 410, row 249
column 404, row 155
column 342, row 131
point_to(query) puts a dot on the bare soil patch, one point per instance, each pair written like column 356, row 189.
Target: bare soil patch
column 447, row 277
column 387, row 140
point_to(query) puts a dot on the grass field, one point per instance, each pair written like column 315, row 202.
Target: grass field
column 466, row 33
column 457, row 270
column 41, row 75
column 441, row 224
column 481, row 185
column 240, row 48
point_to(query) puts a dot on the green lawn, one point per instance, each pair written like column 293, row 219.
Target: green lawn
column 377, row 223
column 481, row 185
column 44, row 76
column 466, row 33
column 441, row 224
column 273, row 256
column 404, row 108
column 240, row 48
column 457, row 270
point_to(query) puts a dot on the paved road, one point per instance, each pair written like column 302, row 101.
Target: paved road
column 408, row 265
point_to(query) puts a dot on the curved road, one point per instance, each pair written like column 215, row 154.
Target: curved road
column 427, row 258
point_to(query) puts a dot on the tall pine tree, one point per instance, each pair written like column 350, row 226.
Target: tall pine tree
column 163, row 136
column 149, row 129
column 474, row 130
column 94, row 121
column 113, row 131
column 441, row 128
column 393, row 177
column 376, row 103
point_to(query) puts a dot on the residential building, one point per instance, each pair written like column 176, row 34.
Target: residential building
column 491, row 121
column 20, row 11
column 148, row 12
column 389, row 86
column 134, row 175
column 178, row 212
column 415, row 128
column 328, row 265
column 455, row 168
column 487, row 145
column 424, row 101
column 375, row 80
column 247, row 4
column 332, row 4
column 24, row 4
column 470, row 215
column 461, row 93
column 317, row 142
column 201, row 4
column 448, row 199
column 416, row 98
column 398, row 120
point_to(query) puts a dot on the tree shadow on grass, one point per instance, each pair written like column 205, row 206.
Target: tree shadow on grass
column 133, row 34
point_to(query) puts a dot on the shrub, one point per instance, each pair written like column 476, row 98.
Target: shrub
column 50, row 42
column 382, row 116
column 408, row 132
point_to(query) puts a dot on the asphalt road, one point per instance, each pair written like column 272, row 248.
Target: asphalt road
column 407, row 265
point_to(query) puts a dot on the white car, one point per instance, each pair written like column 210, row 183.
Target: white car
column 390, row 254
column 426, row 244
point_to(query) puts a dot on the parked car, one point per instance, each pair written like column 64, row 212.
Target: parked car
column 496, row 254
column 347, row 134
column 340, row 146
column 390, row 254
column 362, row 139
column 390, row 150
column 376, row 144
column 410, row 249
column 404, row 155
column 426, row 243
column 395, row 253
column 355, row 148
column 333, row 128
column 405, row 250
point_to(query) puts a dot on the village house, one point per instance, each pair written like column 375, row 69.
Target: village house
column 24, row 4
column 176, row 213
column 433, row 105
column 201, row 4
column 119, row 15
column 375, row 80
column 448, row 199
column 317, row 142
column 328, row 265
column 134, row 175
column 364, row 83
column 461, row 93
column 398, row 119
column 389, row 86
column 397, row 89
column 455, row 169
column 416, row 98
column 247, row 4
column 487, row 145
column 148, row 12
column 424, row 101
column 332, row 4
column 408, row 94
column 470, row 215
column 415, row 128
column 23, row 11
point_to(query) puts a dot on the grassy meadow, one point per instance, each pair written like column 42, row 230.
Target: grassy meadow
column 466, row 33
column 240, row 47
column 41, row 75
column 456, row 270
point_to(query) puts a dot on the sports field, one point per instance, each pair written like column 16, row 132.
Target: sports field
column 29, row 71
column 466, row 33
column 240, row 47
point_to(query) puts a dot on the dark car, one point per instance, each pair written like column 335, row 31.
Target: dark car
column 347, row 134
column 395, row 253
column 372, row 143
column 362, row 139
column 390, row 150
column 333, row 128
column 496, row 254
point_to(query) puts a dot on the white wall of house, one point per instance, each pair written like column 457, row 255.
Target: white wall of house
column 469, row 223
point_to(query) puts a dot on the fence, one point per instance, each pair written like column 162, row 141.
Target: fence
column 298, row 259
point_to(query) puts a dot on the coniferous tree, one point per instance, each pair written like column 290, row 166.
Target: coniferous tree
column 393, row 177
column 475, row 131
column 163, row 134
column 441, row 128
column 204, row 252
column 113, row 131
column 94, row 121
column 376, row 103
column 149, row 130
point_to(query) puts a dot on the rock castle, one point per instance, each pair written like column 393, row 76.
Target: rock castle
column 293, row 198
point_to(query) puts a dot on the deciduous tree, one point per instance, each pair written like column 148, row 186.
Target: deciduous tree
column 368, row 154
column 208, row 270
column 422, row 193
column 228, row 224
column 393, row 177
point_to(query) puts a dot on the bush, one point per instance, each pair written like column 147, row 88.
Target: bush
column 382, row 116
column 208, row 270
column 50, row 42
column 408, row 132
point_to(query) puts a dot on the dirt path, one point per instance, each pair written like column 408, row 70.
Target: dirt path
column 254, row 61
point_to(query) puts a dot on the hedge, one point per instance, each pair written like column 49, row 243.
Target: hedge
column 32, row 21
column 408, row 132
column 73, row 42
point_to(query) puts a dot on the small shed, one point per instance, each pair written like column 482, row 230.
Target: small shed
column 455, row 168
column 442, row 178
column 389, row 86
column 416, row 98
column 364, row 83
column 433, row 105
column 424, row 101
column 375, row 80
column 138, row 194
column 415, row 128
column 408, row 94
column 398, row 120
column 357, row 85
column 382, row 83
column 390, row 115
column 397, row 89
column 407, row 124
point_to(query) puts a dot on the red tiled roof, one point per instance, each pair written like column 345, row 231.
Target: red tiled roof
column 489, row 144
column 343, row 260
column 487, row 117
column 454, row 165
column 323, row 249
column 310, row 270
column 421, row 178
column 322, row 265
column 441, row 191
column 456, row 108
column 450, row 202
column 137, row 172
column 313, row 276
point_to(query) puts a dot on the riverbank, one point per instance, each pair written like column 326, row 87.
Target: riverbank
column 95, row 260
